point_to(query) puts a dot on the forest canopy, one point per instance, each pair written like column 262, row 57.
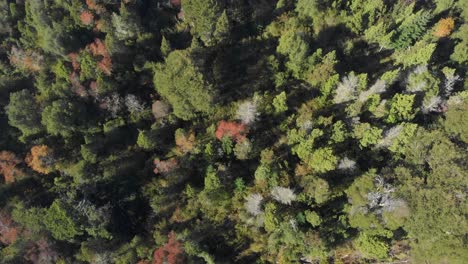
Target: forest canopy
column 214, row 131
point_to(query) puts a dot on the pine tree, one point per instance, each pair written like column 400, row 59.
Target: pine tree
column 183, row 85
column 125, row 23
column 419, row 54
column 223, row 28
column 165, row 46
column 411, row 29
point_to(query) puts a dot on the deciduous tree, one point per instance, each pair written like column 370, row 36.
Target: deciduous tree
column 40, row 159
column 171, row 252
column 8, row 166
column 231, row 129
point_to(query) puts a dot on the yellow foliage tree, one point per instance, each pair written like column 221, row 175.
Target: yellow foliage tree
column 185, row 141
column 444, row 27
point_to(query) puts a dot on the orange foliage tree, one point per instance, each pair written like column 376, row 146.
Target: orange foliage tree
column 86, row 17
column 233, row 130
column 26, row 60
column 98, row 48
column 444, row 27
column 171, row 252
column 8, row 232
column 8, row 163
column 39, row 158
column 99, row 9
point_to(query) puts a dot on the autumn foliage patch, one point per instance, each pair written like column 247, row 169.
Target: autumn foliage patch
column 170, row 253
column 38, row 158
column 230, row 129
column 8, row 233
column 99, row 9
column 26, row 59
column 74, row 61
column 444, row 27
column 8, row 163
column 98, row 48
column 86, row 17
column 164, row 166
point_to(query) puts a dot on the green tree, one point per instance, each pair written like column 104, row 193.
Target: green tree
column 372, row 246
column 321, row 68
column 411, row 29
column 403, row 137
column 460, row 52
column 243, row 149
column 183, row 85
column 279, row 103
column 295, row 46
column 401, row 108
column 23, row 113
column 63, row 118
column 214, row 199
column 31, row 218
column 456, row 121
column 367, row 134
column 147, row 139
column 271, row 220
column 363, row 13
column 339, row 132
column 202, row 15
column 313, row 218
column 266, row 176
column 60, row 223
column 432, row 210
column 165, row 47
column 315, row 188
column 322, row 160
column 223, row 28
column 378, row 33
column 46, row 28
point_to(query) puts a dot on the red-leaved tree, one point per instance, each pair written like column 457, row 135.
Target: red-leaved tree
column 98, row 48
column 8, row 163
column 230, row 129
column 74, row 61
column 8, row 232
column 99, row 9
column 26, row 59
column 77, row 87
column 170, row 253
column 86, row 17
column 41, row 252
column 164, row 166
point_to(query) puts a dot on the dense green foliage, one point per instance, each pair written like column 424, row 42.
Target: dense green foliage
column 209, row 131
